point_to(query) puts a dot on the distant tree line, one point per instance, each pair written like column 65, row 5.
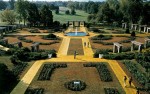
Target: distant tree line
column 132, row 11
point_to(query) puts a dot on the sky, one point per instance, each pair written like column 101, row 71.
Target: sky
column 62, row 0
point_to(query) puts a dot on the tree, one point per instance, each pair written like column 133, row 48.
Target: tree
column 105, row 13
column 12, row 2
column 46, row 16
column 67, row 12
column 57, row 11
column 3, row 5
column 73, row 12
column 33, row 14
column 7, row 79
column 133, row 34
column 21, row 7
column 8, row 16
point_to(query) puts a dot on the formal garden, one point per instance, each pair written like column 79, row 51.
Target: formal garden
column 42, row 48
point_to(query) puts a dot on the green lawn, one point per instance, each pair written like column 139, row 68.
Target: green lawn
column 63, row 18
column 6, row 61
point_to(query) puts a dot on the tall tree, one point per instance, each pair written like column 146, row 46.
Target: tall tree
column 12, row 2
column 8, row 16
column 33, row 14
column 21, row 7
column 3, row 5
column 46, row 16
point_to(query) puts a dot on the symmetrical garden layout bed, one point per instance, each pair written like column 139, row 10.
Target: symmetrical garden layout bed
column 75, row 45
column 12, row 39
column 75, row 71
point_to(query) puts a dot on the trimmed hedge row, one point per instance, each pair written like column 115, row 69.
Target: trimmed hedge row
column 120, row 56
column 140, row 76
column 102, row 37
column 48, row 69
column 19, row 68
column 111, row 91
column 49, row 43
column 22, row 38
column 103, row 71
column 35, row 91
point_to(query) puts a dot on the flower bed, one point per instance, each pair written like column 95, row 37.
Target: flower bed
column 103, row 71
column 48, row 70
column 19, row 68
column 71, row 85
column 111, row 91
column 35, row 91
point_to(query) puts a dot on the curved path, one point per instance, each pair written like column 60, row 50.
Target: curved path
column 62, row 57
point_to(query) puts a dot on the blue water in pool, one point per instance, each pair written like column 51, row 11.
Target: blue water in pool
column 76, row 34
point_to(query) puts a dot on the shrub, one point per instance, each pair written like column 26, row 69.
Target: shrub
column 22, row 38
column 127, row 31
column 34, row 91
column 133, row 34
column 48, row 69
column 67, row 12
column 102, row 37
column 101, row 51
column 111, row 91
column 139, row 75
column 19, row 68
column 120, row 56
column 50, row 37
column 71, row 86
column 34, row 31
column 102, row 69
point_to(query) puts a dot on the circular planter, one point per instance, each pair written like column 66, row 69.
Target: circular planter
column 75, row 85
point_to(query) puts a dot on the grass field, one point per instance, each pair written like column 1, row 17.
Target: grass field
column 63, row 18
column 6, row 61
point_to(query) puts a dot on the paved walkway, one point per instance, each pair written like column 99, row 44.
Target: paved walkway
column 64, row 47
column 63, row 57
column 87, row 48
column 120, row 74
column 27, row 79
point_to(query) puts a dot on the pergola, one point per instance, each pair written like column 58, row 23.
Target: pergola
column 35, row 46
column 2, row 30
column 76, row 23
column 133, row 43
column 142, row 26
column 117, row 47
column 148, row 29
column 134, row 26
column 124, row 25
column 147, row 40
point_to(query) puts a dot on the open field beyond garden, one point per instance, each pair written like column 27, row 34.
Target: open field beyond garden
column 63, row 18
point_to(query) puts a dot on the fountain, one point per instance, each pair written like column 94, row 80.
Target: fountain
column 76, row 31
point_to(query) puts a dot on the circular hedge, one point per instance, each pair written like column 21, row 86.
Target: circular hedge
column 75, row 85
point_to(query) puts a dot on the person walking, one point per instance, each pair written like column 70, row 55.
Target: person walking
column 125, row 79
column 130, row 81
column 75, row 53
column 88, row 44
column 84, row 44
